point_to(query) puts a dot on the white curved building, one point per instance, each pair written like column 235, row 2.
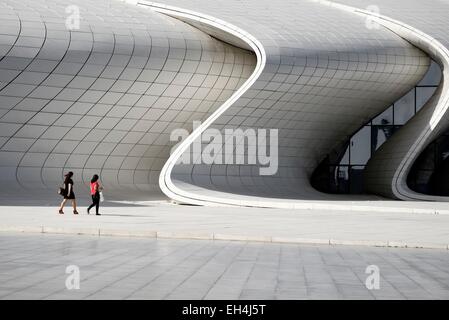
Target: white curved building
column 105, row 95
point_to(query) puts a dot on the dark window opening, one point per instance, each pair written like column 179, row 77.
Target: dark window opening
column 342, row 172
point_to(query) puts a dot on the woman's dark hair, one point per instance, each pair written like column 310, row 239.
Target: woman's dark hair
column 94, row 178
column 68, row 175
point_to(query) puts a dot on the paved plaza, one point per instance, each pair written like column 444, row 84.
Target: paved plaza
column 159, row 250
column 160, row 219
column 34, row 267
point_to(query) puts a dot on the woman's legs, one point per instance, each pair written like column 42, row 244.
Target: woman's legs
column 62, row 205
column 92, row 205
column 74, row 206
column 97, row 204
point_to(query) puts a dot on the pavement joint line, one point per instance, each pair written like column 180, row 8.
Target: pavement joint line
column 218, row 236
column 351, row 207
column 362, row 208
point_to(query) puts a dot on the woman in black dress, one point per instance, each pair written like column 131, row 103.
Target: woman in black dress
column 68, row 193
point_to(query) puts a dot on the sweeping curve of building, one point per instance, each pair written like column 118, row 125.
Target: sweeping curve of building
column 104, row 97
column 422, row 24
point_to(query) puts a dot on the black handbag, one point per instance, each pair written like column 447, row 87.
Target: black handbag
column 61, row 191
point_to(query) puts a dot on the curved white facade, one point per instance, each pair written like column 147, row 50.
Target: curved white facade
column 317, row 99
column 422, row 24
column 105, row 98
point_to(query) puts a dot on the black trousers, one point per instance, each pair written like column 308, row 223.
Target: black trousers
column 95, row 202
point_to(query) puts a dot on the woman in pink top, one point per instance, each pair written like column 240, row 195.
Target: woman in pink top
column 95, row 193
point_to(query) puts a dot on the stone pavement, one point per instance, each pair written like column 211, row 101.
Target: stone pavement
column 164, row 220
column 33, row 266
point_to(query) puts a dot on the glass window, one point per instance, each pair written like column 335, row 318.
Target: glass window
column 385, row 117
column 360, row 146
column 432, row 77
column 380, row 134
column 347, row 177
column 423, row 95
column 345, row 159
column 356, row 179
column 442, row 151
column 342, row 179
column 404, row 108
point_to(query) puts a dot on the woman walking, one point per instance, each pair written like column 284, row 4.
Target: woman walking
column 68, row 193
column 95, row 189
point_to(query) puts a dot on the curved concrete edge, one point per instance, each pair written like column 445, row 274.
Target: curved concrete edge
column 399, row 186
column 438, row 52
column 150, row 234
column 166, row 184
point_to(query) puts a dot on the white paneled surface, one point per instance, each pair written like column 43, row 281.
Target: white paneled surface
column 102, row 98
column 327, row 72
column 425, row 24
